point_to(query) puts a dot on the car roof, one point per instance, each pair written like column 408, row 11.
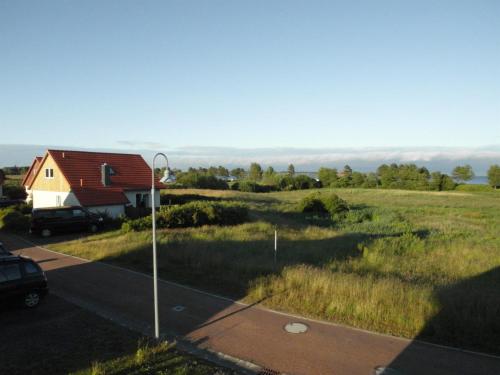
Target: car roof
column 14, row 258
column 56, row 208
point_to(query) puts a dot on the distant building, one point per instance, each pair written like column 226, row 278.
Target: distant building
column 227, row 178
column 30, row 175
column 99, row 181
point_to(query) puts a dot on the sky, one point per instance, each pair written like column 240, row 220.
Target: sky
column 263, row 74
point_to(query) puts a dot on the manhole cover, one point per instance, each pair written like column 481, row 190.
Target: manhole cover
column 296, row 328
column 178, row 308
column 385, row 371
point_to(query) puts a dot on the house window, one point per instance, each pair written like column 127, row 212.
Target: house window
column 49, row 173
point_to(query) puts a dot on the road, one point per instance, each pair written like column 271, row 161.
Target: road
column 250, row 333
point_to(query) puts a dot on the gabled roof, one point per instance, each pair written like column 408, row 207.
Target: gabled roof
column 30, row 175
column 82, row 171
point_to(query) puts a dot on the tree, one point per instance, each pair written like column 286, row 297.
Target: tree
column 463, row 173
column 238, row 172
column 255, row 172
column 291, row 170
column 347, row 171
column 358, row 179
column 494, row 176
column 327, row 176
column 441, row 182
column 213, row 171
column 221, row 171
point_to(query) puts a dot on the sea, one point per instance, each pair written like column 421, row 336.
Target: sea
column 477, row 180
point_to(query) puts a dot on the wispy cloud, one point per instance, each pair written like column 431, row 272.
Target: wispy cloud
column 141, row 145
column 304, row 159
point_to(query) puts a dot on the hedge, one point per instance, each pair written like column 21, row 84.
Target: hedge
column 13, row 219
column 193, row 214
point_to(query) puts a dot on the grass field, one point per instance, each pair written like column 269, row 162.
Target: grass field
column 414, row 264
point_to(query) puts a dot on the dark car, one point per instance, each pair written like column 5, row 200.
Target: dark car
column 22, row 280
column 3, row 251
column 46, row 221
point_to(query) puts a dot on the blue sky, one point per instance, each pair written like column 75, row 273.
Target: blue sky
column 250, row 74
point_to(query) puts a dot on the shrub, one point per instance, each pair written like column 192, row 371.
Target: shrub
column 173, row 199
column 322, row 204
column 312, row 203
column 334, row 204
column 248, row 186
column 201, row 181
column 193, row 214
column 12, row 219
column 14, row 192
column 473, row 188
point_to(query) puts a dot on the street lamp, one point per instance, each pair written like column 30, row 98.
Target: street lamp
column 168, row 176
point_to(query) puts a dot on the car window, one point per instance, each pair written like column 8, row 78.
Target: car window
column 10, row 272
column 79, row 213
column 64, row 214
column 31, row 268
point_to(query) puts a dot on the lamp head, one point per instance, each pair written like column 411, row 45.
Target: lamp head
column 168, row 176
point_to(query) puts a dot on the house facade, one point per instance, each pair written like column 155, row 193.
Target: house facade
column 101, row 182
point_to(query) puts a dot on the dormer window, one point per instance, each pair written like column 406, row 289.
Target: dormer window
column 49, row 173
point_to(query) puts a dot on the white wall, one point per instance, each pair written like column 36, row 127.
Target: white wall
column 111, row 211
column 43, row 198
column 131, row 196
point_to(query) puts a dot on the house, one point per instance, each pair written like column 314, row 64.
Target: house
column 102, row 182
column 30, row 175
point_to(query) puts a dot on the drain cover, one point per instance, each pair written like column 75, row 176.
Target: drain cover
column 296, row 327
column 385, row 371
column 178, row 308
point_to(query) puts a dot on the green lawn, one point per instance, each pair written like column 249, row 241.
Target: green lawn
column 407, row 263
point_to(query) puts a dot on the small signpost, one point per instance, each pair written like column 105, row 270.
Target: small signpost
column 275, row 246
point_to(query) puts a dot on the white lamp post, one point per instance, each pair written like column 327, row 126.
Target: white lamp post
column 167, row 177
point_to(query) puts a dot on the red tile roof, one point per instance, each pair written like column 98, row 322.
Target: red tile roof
column 82, row 170
column 30, row 175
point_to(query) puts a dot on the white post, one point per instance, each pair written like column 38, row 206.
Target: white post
column 275, row 245
column 155, row 268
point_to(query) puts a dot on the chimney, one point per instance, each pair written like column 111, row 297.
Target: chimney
column 81, row 181
column 105, row 175
column 63, row 154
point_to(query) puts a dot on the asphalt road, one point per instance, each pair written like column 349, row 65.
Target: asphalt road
column 250, row 333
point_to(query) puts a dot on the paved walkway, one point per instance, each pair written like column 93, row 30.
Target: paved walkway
column 250, row 333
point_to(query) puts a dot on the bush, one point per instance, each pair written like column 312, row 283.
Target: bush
column 193, row 214
column 473, row 188
column 201, row 181
column 248, row 186
column 322, row 204
column 14, row 192
column 334, row 204
column 12, row 219
column 173, row 199
column 312, row 203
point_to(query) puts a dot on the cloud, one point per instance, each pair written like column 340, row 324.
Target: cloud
column 142, row 144
column 366, row 159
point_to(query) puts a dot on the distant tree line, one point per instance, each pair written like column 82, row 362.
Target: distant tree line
column 387, row 176
column 15, row 170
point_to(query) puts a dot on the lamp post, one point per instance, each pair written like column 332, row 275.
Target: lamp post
column 167, row 177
